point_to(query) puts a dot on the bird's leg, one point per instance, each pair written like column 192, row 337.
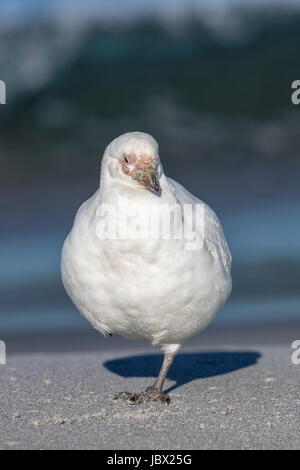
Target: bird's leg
column 154, row 392
column 157, row 387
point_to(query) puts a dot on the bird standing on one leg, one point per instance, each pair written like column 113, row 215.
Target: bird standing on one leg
column 145, row 258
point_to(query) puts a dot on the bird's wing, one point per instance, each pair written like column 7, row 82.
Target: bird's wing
column 213, row 233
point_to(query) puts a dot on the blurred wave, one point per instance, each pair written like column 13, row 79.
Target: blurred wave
column 215, row 83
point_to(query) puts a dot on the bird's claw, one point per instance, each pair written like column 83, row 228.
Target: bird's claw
column 149, row 395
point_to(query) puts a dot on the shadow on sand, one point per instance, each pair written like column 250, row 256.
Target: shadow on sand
column 186, row 367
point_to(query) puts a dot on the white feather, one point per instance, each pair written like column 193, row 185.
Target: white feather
column 152, row 288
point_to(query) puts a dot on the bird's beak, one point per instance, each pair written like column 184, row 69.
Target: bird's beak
column 146, row 174
column 153, row 181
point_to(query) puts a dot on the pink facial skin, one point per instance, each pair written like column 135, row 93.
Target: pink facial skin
column 128, row 160
column 139, row 170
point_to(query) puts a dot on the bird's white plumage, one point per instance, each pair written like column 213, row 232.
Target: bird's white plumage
column 153, row 289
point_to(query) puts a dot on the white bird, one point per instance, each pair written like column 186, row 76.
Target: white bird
column 129, row 278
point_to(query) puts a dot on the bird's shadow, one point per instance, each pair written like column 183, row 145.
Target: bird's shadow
column 186, row 367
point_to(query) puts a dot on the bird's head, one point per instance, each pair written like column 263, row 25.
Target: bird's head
column 133, row 158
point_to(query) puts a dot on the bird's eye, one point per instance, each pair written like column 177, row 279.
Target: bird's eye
column 126, row 160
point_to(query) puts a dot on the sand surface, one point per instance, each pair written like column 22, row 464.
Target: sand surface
column 225, row 397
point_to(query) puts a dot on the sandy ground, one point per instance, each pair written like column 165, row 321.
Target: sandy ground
column 226, row 397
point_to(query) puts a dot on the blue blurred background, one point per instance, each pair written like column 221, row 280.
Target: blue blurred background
column 211, row 81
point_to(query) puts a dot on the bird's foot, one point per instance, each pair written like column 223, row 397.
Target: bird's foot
column 151, row 394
